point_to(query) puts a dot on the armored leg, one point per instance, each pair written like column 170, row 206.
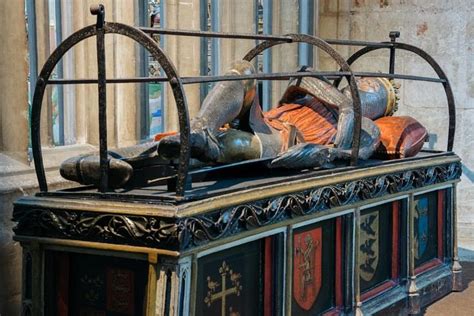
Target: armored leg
column 226, row 102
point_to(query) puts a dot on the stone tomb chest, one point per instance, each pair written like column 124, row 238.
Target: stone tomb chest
column 370, row 238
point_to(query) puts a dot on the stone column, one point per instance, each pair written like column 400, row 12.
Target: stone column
column 70, row 113
column 13, row 141
column 285, row 56
column 90, row 65
column 125, row 59
column 43, row 52
column 236, row 17
column 13, row 80
column 120, row 62
column 334, row 17
column 82, row 93
column 184, row 53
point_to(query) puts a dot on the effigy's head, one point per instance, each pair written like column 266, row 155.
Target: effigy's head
column 380, row 92
column 243, row 67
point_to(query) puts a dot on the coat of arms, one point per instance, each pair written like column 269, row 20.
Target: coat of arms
column 307, row 267
column 421, row 226
column 369, row 245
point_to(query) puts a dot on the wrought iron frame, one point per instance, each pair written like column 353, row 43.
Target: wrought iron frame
column 140, row 35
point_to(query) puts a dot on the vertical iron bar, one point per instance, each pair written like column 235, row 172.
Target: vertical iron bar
column 393, row 38
column 104, row 161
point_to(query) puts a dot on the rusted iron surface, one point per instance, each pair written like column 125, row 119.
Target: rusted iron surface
column 331, row 75
column 152, row 30
column 286, row 39
column 102, row 88
column 393, row 38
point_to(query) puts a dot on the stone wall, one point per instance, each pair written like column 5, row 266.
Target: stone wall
column 445, row 30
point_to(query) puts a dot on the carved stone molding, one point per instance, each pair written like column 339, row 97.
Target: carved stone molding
column 93, row 226
column 188, row 232
column 202, row 229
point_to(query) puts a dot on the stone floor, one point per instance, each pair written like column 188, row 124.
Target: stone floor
column 461, row 303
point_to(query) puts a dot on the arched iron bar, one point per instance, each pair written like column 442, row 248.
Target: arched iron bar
column 170, row 72
column 315, row 41
column 424, row 55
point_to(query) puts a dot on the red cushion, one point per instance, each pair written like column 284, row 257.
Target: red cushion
column 400, row 137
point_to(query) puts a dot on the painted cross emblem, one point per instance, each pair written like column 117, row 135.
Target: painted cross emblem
column 213, row 294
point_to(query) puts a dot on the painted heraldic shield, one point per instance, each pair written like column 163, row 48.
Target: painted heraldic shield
column 307, row 267
column 369, row 245
column 421, row 226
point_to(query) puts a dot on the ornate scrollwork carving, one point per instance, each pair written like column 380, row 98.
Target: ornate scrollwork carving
column 209, row 227
column 182, row 233
column 129, row 229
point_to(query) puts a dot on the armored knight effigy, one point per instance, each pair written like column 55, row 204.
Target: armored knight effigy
column 326, row 204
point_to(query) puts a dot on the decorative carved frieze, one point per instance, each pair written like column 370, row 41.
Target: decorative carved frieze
column 188, row 232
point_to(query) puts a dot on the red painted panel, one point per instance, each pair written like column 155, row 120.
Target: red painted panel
column 377, row 290
column 307, row 261
column 428, row 265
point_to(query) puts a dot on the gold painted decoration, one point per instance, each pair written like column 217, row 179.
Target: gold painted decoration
column 219, row 291
column 307, row 272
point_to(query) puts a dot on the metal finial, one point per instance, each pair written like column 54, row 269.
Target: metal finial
column 99, row 10
column 394, row 35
